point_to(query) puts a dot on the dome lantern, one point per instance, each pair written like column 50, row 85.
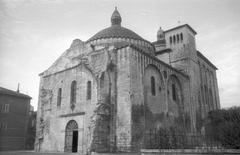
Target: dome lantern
column 116, row 18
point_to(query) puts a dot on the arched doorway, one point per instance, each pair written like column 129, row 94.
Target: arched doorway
column 71, row 137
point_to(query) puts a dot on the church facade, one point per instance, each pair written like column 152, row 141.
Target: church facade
column 103, row 94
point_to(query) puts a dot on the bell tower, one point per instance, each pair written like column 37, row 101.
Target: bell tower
column 181, row 40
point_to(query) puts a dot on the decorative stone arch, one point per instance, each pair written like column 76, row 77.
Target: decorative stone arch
column 93, row 79
column 211, row 103
column 160, row 78
column 89, row 68
column 71, row 137
column 214, row 90
column 174, row 99
column 155, row 104
column 157, row 69
column 209, row 86
column 204, row 73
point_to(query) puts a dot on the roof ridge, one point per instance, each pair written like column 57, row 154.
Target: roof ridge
column 12, row 92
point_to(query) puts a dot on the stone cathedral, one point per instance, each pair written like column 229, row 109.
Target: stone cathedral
column 103, row 94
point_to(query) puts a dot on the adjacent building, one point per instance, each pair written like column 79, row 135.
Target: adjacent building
column 14, row 115
column 31, row 131
column 103, row 94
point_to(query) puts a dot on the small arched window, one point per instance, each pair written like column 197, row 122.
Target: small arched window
column 73, row 92
column 174, row 39
column 206, row 94
column 177, row 37
column 153, row 89
column 171, row 40
column 59, row 97
column 174, row 92
column 89, row 90
column 181, row 37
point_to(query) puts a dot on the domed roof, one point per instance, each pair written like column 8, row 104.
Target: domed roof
column 116, row 30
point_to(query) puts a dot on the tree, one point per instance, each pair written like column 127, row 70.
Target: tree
column 223, row 126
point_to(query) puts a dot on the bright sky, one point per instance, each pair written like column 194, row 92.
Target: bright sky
column 33, row 34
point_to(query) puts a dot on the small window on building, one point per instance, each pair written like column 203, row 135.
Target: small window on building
column 89, row 90
column 160, row 88
column 2, row 108
column 174, row 39
column 3, row 125
column 59, row 97
column 177, row 37
column 181, row 37
column 153, row 89
column 171, row 40
column 5, row 108
column 173, row 92
column 73, row 92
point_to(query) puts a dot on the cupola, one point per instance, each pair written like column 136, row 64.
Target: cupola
column 160, row 34
column 116, row 18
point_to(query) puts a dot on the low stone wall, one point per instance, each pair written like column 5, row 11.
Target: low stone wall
column 189, row 151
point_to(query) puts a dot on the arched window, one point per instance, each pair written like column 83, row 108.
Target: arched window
column 165, row 74
column 173, row 92
column 73, row 92
column 177, row 37
column 59, row 97
column 89, row 90
column 181, row 37
column 174, row 39
column 153, row 90
column 206, row 94
column 171, row 40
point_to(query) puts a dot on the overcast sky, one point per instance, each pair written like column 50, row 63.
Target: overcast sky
column 34, row 33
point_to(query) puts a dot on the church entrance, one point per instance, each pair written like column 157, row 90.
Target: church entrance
column 71, row 137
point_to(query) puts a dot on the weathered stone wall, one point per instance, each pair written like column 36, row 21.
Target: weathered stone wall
column 56, row 117
column 122, row 107
column 124, row 131
column 142, row 68
column 208, row 91
column 184, row 57
column 81, row 66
